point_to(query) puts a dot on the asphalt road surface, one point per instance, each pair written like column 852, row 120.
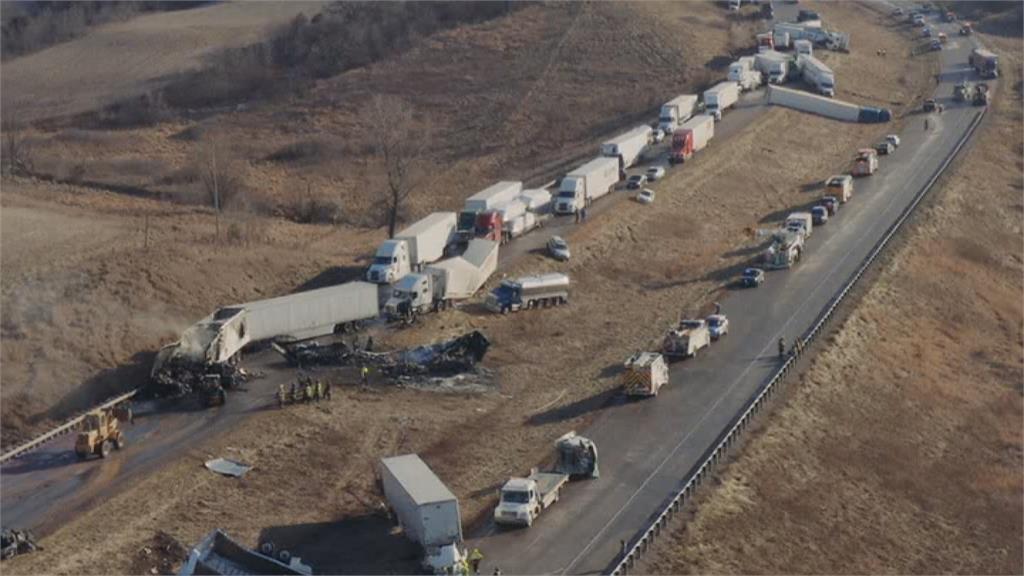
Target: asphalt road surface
column 648, row 448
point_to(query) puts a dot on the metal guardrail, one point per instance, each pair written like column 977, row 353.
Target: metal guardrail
column 64, row 428
column 726, row 440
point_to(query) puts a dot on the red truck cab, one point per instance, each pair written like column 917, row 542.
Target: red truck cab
column 682, row 146
column 489, row 226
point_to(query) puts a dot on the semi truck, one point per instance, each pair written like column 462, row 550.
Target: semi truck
column 516, row 219
column 537, row 200
column 426, row 510
column 487, row 200
column 627, row 147
column 817, row 75
column 803, row 47
column 780, row 40
column 774, row 66
column 840, row 186
column 743, row 73
column 217, row 553
column 815, row 33
column 644, row 374
column 529, row 292
column 692, row 137
column 523, row 499
column 424, row 242
column 444, row 282
column 676, row 111
column 686, row 339
column 720, row 98
column 827, row 107
column 585, row 184
column 785, row 250
column 985, row 63
column 218, row 338
column 866, row 162
column 765, row 42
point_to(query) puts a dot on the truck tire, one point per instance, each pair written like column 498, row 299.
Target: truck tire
column 105, row 448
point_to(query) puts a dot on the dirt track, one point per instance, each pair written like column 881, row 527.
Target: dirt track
column 635, row 270
column 899, row 449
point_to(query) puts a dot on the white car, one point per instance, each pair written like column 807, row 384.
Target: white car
column 657, row 135
column 646, row 196
column 655, row 173
column 893, row 139
column 635, row 181
column 718, row 325
column 559, row 249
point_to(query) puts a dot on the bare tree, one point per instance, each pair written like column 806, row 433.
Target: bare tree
column 400, row 148
column 16, row 157
column 220, row 171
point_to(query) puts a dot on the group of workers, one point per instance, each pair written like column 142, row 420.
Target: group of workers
column 305, row 390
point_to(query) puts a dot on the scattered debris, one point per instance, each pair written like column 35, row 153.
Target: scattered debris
column 181, row 376
column 228, row 467
column 217, row 553
column 159, row 556
column 449, row 358
column 14, row 542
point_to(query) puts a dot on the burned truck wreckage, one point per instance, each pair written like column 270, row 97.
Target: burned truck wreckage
column 448, row 358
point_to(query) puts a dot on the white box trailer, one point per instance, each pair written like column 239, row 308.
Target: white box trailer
column 676, row 111
column 426, row 509
column 818, row 75
column 538, row 200
column 460, row 277
column 587, row 183
column 720, row 98
column 828, row 107
column 774, row 65
column 494, row 195
column 419, row 244
column 703, row 127
column 627, row 146
column 218, row 337
column 803, row 47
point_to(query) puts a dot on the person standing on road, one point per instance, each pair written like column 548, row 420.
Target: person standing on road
column 577, row 216
column 365, row 372
column 475, row 558
column 583, row 214
column 369, row 343
column 926, row 124
column 718, row 308
column 782, row 346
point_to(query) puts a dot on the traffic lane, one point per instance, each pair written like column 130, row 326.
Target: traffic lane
column 885, row 203
column 668, row 479
column 879, row 201
column 42, row 489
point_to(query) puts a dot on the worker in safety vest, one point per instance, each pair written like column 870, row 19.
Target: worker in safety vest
column 309, row 392
column 365, row 372
column 475, row 558
column 280, row 396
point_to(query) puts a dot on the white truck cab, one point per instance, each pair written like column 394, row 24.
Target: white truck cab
column 390, row 262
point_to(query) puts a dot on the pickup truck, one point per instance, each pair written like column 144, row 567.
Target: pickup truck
column 523, row 499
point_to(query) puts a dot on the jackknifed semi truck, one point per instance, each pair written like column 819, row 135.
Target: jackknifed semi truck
column 817, row 75
column 444, row 282
column 827, row 107
column 744, row 73
column 691, row 137
column 773, row 65
column 676, row 111
column 585, row 184
column 424, row 242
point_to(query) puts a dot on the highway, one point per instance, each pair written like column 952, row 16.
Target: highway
column 649, row 448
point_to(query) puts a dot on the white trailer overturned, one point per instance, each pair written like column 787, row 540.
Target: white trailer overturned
column 828, row 107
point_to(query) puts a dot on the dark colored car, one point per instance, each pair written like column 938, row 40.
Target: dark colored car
column 752, row 277
column 831, row 203
column 636, row 181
